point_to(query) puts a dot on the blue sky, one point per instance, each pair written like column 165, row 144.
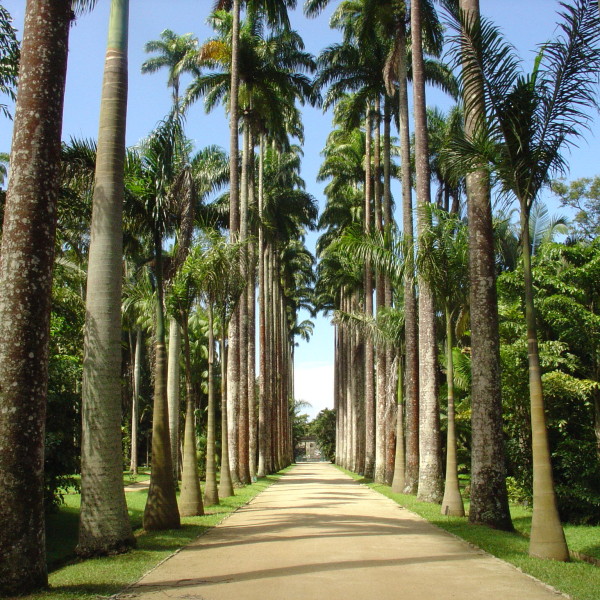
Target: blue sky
column 525, row 23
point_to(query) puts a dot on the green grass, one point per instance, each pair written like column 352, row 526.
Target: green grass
column 71, row 579
column 578, row 579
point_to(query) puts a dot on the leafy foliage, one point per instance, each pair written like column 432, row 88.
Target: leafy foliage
column 64, row 379
column 9, row 59
column 323, row 428
column 567, row 292
column 582, row 195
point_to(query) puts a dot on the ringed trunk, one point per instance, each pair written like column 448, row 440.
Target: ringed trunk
column 104, row 526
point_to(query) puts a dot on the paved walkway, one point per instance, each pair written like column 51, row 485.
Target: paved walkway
column 318, row 535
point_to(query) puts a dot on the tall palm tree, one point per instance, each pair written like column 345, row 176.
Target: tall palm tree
column 104, row 522
column 530, row 120
column 276, row 13
column 442, row 262
column 159, row 160
column 489, row 499
column 221, row 279
column 182, row 294
column 271, row 75
column 430, row 468
column 27, row 254
column 177, row 53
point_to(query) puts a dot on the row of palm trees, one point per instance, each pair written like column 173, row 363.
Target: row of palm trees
column 515, row 127
column 268, row 212
column 512, row 131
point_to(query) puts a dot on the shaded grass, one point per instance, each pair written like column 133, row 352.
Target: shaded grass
column 105, row 576
column 578, row 579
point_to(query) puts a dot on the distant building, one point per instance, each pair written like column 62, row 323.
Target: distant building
column 307, row 450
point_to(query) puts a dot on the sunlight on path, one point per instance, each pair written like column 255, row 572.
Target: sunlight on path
column 317, row 534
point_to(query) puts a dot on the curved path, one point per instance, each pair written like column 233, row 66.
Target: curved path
column 318, row 535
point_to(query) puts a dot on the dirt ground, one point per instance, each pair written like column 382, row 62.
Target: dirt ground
column 317, row 534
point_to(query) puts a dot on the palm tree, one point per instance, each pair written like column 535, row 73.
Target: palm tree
column 286, row 211
column 182, row 294
column 489, row 499
column 442, row 262
column 27, row 254
column 137, row 310
column 177, row 53
column 221, row 279
column 271, row 75
column 104, row 522
column 430, row 468
column 159, row 159
column 529, row 121
column 369, row 22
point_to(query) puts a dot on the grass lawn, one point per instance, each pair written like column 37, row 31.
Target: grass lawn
column 71, row 579
column 578, row 579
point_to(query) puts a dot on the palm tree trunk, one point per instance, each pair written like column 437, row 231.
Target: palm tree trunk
column 211, row 494
column 252, row 416
column 26, row 262
column 135, row 405
column 190, row 500
column 262, row 326
column 596, row 397
column 547, row 538
column 359, row 394
column 234, row 229
column 225, row 483
column 233, row 398
column 411, row 477
column 268, row 367
column 104, row 522
column 161, row 510
column 341, row 386
column 388, row 219
column 251, row 309
column 369, row 353
column 398, row 482
column 173, row 397
column 380, row 403
column 452, row 504
column 243, row 458
column 489, row 499
column 430, row 488
column 336, row 394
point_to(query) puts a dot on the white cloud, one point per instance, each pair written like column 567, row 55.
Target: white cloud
column 313, row 382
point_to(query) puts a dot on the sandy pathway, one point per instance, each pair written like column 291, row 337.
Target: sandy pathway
column 317, row 534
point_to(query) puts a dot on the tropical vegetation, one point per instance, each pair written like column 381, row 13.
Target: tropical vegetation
column 152, row 296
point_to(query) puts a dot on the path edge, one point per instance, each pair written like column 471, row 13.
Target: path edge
column 119, row 595
column 471, row 545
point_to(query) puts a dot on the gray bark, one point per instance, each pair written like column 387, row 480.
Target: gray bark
column 411, row 477
column 173, row 393
column 104, row 522
column 137, row 376
column 430, row 488
column 489, row 500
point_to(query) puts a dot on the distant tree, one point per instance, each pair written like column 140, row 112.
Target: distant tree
column 300, row 424
column 582, row 195
column 323, row 428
